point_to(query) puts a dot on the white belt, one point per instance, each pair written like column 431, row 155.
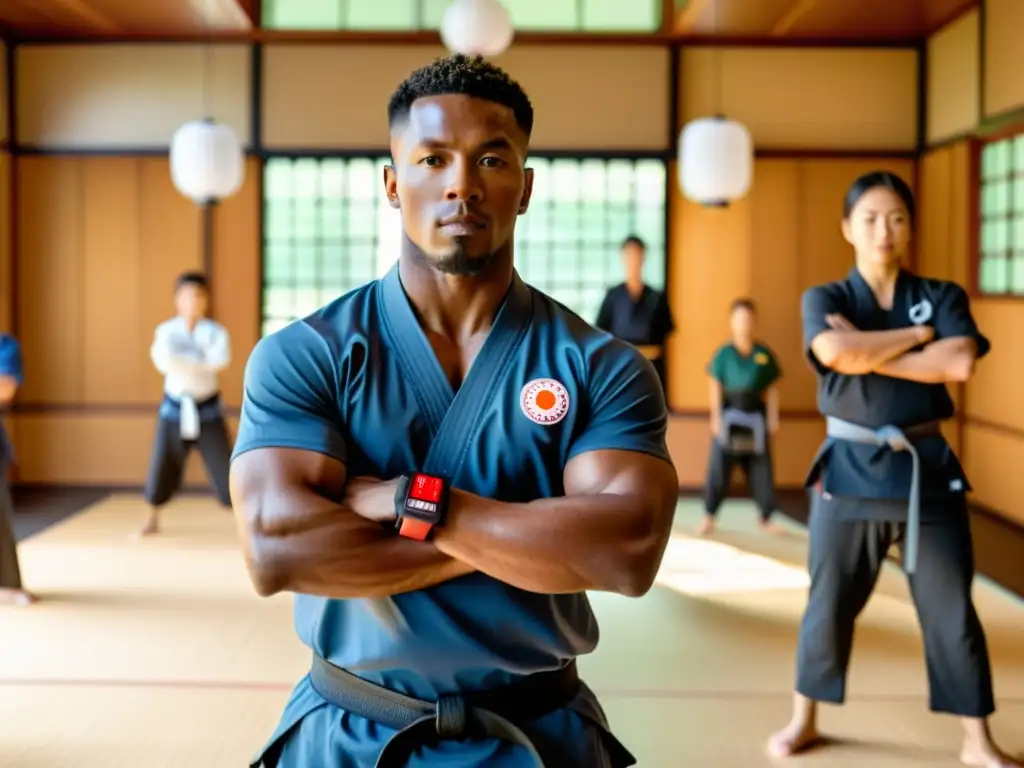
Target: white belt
column 188, row 422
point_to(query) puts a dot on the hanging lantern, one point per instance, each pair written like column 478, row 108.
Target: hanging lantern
column 716, row 161
column 207, row 161
column 477, row 27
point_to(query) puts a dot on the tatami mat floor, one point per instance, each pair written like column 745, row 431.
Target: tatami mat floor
column 157, row 654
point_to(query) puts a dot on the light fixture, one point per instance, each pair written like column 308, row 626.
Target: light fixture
column 716, row 161
column 207, row 161
column 477, row 27
column 207, row 166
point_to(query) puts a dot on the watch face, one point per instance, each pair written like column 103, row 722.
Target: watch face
column 424, row 497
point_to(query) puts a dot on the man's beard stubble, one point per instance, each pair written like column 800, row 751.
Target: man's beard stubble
column 461, row 264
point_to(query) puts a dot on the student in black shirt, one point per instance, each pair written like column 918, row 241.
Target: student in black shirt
column 744, row 407
column 884, row 342
column 635, row 312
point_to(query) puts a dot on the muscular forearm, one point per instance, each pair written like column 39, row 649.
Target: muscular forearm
column 561, row 545
column 946, row 360
column 311, row 545
column 860, row 352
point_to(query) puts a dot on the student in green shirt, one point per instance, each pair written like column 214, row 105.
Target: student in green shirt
column 744, row 415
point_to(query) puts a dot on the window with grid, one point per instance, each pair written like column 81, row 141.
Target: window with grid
column 567, row 244
column 328, row 229
column 1001, row 217
column 413, row 15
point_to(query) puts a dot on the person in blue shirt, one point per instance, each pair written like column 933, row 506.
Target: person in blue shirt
column 11, row 589
column 441, row 463
column 884, row 343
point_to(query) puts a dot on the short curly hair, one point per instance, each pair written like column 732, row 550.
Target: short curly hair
column 467, row 76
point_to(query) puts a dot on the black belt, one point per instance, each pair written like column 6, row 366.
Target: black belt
column 494, row 712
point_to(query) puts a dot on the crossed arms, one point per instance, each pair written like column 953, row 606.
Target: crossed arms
column 837, row 345
column 308, row 528
column 607, row 533
column 170, row 355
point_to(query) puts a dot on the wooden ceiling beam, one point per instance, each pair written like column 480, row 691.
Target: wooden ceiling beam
column 792, row 16
column 80, row 8
column 689, row 15
column 222, row 14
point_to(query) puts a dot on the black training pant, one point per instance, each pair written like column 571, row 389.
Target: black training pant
column 10, row 572
column 170, row 452
column 845, row 557
column 757, row 468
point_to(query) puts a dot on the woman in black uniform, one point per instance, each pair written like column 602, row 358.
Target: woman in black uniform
column 884, row 342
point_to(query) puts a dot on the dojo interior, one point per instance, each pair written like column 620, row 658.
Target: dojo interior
column 159, row 653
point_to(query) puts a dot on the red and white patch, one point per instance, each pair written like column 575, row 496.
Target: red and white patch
column 544, row 401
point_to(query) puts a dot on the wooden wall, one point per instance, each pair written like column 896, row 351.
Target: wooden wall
column 972, row 66
column 107, row 238
column 101, row 237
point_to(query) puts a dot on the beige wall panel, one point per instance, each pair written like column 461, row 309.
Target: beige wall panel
column 96, row 96
column 50, row 300
column 593, row 97
column 807, row 98
column 954, row 84
column 113, row 341
column 993, row 393
column 992, row 460
column 1004, row 56
column 95, row 448
column 776, row 279
column 935, row 251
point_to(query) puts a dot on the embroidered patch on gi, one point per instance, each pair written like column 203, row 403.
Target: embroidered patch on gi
column 921, row 313
column 761, row 358
column 544, row 401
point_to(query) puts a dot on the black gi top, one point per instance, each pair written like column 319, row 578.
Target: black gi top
column 644, row 322
column 872, row 400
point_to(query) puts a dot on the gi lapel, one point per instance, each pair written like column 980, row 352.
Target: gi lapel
column 459, row 411
column 416, row 358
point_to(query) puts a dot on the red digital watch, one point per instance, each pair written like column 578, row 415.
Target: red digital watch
column 421, row 502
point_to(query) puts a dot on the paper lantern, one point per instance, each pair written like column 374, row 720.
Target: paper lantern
column 716, row 161
column 207, row 161
column 477, row 27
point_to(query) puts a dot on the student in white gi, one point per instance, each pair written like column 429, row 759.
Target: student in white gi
column 190, row 350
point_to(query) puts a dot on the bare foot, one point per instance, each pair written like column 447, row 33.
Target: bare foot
column 986, row 755
column 707, row 526
column 151, row 528
column 769, row 527
column 17, row 597
column 794, row 738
